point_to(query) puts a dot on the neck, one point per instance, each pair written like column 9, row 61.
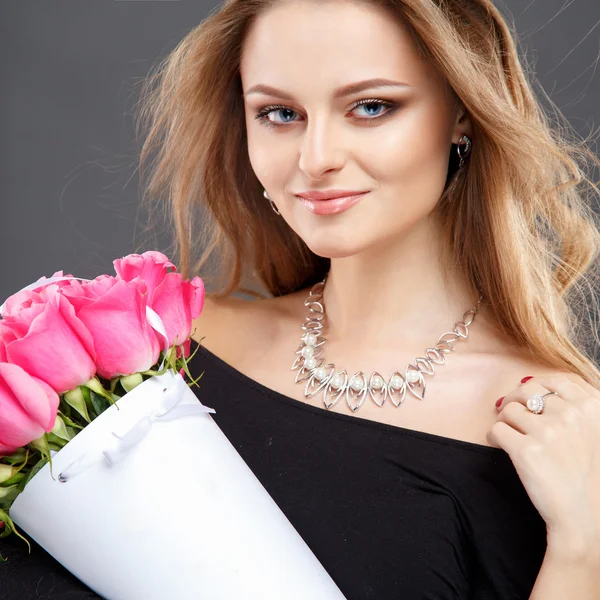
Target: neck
column 395, row 293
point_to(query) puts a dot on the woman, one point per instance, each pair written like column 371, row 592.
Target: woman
column 456, row 187
column 457, row 203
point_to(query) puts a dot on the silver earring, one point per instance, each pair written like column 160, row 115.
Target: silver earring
column 465, row 152
column 271, row 202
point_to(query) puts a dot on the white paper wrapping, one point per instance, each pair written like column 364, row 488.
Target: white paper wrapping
column 178, row 514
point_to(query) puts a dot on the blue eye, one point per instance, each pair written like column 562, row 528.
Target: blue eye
column 286, row 112
column 372, row 104
column 263, row 115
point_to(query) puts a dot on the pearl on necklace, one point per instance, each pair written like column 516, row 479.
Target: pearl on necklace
column 307, row 351
column 412, row 376
column 310, row 339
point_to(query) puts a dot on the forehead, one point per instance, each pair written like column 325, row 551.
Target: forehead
column 324, row 44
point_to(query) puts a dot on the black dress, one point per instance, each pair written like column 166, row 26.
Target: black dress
column 391, row 513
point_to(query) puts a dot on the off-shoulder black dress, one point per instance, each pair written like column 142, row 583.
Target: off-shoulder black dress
column 391, row 513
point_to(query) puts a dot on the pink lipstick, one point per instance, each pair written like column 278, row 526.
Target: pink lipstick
column 330, row 202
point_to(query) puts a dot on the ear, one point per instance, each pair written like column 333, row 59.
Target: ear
column 462, row 125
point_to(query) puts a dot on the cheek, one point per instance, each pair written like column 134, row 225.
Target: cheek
column 268, row 160
column 411, row 161
column 259, row 161
column 258, row 153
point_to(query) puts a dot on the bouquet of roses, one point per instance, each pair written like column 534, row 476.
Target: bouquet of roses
column 93, row 404
column 69, row 349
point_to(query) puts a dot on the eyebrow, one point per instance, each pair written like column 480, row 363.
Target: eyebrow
column 345, row 90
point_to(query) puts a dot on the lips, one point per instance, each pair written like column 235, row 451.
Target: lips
column 329, row 194
column 331, row 206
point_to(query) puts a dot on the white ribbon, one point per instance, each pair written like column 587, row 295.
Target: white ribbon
column 114, row 451
column 168, row 409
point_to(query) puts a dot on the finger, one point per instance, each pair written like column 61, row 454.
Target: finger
column 520, row 395
column 520, row 418
column 590, row 389
column 564, row 388
column 578, row 402
column 502, row 435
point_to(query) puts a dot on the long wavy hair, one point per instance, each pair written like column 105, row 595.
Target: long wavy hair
column 518, row 218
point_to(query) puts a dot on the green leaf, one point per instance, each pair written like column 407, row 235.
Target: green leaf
column 6, row 473
column 113, row 383
column 16, row 478
column 16, row 468
column 100, row 403
column 130, row 382
column 60, row 430
column 70, row 422
column 8, row 494
column 16, row 457
column 76, row 399
column 184, row 366
column 192, row 380
column 9, row 527
column 95, row 385
column 41, row 444
column 32, row 473
column 87, row 396
column 55, row 442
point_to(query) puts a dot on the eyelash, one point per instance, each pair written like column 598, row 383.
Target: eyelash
column 262, row 115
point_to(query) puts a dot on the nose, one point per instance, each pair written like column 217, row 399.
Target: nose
column 321, row 150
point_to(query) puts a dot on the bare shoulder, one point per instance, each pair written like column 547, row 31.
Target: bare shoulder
column 229, row 327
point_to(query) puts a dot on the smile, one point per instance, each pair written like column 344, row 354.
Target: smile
column 333, row 205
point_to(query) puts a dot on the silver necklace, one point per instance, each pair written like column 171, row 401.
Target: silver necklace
column 311, row 367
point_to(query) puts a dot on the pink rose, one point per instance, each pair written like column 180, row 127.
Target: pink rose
column 177, row 303
column 25, row 298
column 44, row 336
column 150, row 266
column 28, row 408
column 114, row 312
column 82, row 293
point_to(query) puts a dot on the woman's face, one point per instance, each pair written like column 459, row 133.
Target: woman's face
column 392, row 141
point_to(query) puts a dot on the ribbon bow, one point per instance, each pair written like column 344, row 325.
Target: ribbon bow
column 117, row 447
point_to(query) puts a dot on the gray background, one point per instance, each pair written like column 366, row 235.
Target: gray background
column 70, row 71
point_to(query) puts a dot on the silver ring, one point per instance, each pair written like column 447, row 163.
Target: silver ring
column 537, row 403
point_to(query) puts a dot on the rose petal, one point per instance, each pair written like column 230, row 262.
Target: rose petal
column 28, row 406
column 124, row 341
column 150, row 266
column 58, row 348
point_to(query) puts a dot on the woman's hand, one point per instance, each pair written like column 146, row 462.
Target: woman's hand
column 556, row 454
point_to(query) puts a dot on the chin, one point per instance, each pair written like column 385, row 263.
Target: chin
column 330, row 239
column 332, row 248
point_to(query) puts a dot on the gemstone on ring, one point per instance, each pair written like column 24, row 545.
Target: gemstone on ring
column 536, row 403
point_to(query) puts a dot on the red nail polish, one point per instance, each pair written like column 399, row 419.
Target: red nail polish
column 499, row 401
column 526, row 379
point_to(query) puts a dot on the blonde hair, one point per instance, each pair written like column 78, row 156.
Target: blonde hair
column 516, row 218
